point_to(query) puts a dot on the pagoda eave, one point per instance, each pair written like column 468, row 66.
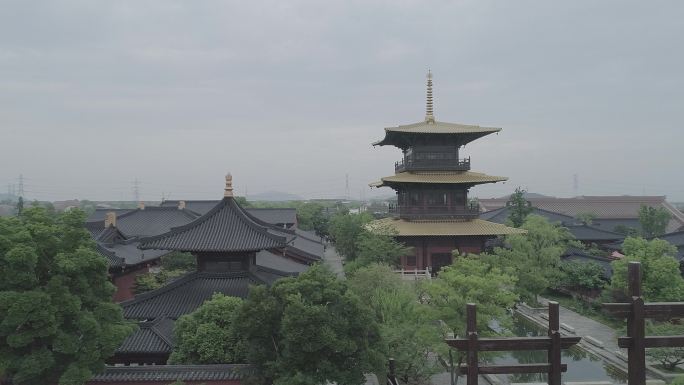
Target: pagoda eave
column 443, row 228
column 463, row 178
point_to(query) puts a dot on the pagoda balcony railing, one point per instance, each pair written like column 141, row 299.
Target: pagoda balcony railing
column 411, row 164
column 434, row 212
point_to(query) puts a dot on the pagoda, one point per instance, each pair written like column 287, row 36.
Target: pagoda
column 433, row 215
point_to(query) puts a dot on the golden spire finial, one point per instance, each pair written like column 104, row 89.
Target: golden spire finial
column 228, row 192
column 429, row 112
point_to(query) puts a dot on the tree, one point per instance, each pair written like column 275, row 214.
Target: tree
column 533, row 257
column 57, row 319
column 345, row 230
column 669, row 358
column 653, row 221
column 308, row 330
column 179, row 261
column 586, row 218
column 519, row 207
column 310, row 216
column 470, row 279
column 209, row 334
column 377, row 245
column 581, row 276
column 661, row 278
column 407, row 333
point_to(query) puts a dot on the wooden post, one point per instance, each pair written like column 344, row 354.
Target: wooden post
column 554, row 352
column 636, row 373
column 392, row 375
column 471, row 330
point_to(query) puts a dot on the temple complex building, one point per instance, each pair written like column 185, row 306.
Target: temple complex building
column 433, row 214
column 227, row 242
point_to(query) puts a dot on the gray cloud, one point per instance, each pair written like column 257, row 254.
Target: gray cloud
column 288, row 95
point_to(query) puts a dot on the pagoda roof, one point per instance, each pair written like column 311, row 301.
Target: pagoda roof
column 473, row 227
column 151, row 337
column 398, row 136
column 189, row 292
column 439, row 177
column 224, row 228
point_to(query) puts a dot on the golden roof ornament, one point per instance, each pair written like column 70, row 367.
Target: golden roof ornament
column 429, row 112
column 228, row 192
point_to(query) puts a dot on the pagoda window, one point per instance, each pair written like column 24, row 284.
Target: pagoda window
column 414, row 198
column 436, row 199
column 459, row 198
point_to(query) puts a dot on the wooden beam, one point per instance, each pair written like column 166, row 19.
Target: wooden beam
column 654, row 342
column 512, row 344
column 514, row 369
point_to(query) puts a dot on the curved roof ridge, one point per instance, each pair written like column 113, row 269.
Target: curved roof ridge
column 186, row 279
column 220, row 244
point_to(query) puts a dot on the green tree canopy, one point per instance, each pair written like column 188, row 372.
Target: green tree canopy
column 519, row 207
column 533, row 257
column 653, row 221
column 308, row 330
column 345, row 230
column 311, row 216
column 57, row 319
column 209, row 334
column 377, row 245
column 661, row 277
column 581, row 276
column 407, row 333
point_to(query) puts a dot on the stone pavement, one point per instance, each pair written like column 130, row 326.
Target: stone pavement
column 333, row 260
column 587, row 327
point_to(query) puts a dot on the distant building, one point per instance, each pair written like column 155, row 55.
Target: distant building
column 433, row 214
column 587, row 234
column 610, row 211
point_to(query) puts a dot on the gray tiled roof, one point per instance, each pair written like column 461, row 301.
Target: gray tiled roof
column 605, row 207
column 132, row 254
column 275, row 215
column 272, row 260
column 501, row 214
column 187, row 293
column 112, row 259
column 170, row 373
column 151, row 337
column 153, row 221
column 590, row 233
column 224, row 228
column 100, row 213
column 199, row 206
column 576, row 255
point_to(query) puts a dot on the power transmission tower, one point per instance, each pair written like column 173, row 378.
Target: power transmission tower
column 136, row 190
column 21, row 185
column 346, row 187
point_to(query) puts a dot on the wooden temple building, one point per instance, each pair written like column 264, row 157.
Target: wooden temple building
column 433, row 214
column 118, row 234
column 230, row 246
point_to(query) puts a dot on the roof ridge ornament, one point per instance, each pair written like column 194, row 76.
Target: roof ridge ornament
column 429, row 111
column 228, row 192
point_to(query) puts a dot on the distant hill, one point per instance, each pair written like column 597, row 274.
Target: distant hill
column 274, row 196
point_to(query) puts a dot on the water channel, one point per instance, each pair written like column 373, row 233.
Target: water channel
column 582, row 366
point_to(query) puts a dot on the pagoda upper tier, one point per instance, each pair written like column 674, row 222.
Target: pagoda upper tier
column 431, row 132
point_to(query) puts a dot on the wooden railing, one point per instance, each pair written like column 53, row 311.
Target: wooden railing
column 433, row 212
column 411, row 164
column 414, row 273
column 553, row 344
column 636, row 312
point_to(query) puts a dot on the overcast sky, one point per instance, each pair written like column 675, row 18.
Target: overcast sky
column 289, row 95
